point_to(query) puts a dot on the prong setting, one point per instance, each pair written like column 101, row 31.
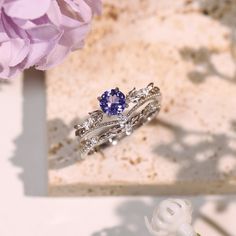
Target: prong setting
column 112, row 102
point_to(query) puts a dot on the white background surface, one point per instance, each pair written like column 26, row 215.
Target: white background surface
column 26, row 210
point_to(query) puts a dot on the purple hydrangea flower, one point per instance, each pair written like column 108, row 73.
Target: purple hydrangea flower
column 41, row 33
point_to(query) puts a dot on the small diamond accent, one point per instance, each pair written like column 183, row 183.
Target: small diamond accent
column 93, row 119
column 128, row 129
column 136, row 95
column 87, row 123
column 123, row 119
column 124, row 123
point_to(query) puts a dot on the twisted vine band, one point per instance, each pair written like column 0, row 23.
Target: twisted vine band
column 112, row 122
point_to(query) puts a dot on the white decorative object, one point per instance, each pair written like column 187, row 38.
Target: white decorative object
column 171, row 218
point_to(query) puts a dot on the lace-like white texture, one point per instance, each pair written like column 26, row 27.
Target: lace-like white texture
column 171, row 218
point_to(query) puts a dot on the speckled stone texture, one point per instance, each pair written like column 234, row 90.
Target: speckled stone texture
column 188, row 49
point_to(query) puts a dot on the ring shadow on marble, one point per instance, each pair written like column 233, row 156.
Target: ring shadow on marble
column 30, row 152
column 64, row 146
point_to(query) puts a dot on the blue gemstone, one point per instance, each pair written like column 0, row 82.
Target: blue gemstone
column 112, row 102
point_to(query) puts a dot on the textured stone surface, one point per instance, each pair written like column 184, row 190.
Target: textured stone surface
column 188, row 49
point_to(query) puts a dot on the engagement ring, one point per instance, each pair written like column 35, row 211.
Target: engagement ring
column 119, row 116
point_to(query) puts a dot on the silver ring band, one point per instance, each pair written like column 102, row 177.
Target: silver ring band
column 99, row 129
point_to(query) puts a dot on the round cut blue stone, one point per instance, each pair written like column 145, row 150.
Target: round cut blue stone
column 112, row 102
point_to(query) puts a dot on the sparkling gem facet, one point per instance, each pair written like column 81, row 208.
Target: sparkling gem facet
column 113, row 102
column 88, row 123
column 123, row 119
column 135, row 95
column 124, row 123
column 128, row 129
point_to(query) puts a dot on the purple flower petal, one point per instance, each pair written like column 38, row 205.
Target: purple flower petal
column 26, row 9
column 54, row 58
column 3, row 34
column 95, row 5
column 8, row 72
column 20, row 49
column 79, row 9
column 40, row 50
column 54, row 13
column 41, row 33
column 1, row 3
column 5, row 53
column 74, row 37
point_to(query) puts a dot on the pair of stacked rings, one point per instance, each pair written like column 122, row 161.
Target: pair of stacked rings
column 119, row 116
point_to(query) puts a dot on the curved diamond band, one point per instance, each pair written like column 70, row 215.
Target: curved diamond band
column 112, row 122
